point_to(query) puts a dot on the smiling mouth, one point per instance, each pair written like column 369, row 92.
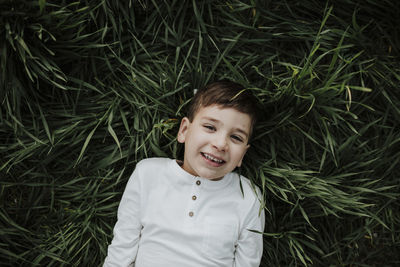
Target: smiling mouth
column 212, row 159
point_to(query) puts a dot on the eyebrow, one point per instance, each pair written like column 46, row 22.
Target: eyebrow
column 236, row 129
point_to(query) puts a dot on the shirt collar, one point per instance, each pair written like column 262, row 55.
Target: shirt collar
column 206, row 183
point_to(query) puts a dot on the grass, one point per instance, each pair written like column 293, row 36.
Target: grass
column 90, row 88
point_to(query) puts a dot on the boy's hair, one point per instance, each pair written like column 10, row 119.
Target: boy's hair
column 227, row 94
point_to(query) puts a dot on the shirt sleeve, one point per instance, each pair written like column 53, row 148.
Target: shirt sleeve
column 249, row 247
column 123, row 248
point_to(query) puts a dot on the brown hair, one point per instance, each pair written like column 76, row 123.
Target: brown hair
column 227, row 94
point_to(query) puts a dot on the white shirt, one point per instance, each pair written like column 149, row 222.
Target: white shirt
column 169, row 218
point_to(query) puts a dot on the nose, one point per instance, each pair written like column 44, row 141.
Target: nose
column 220, row 142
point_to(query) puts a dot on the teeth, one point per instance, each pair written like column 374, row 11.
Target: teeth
column 212, row 158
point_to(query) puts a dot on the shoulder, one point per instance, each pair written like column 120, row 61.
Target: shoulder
column 153, row 163
column 250, row 187
column 252, row 206
column 248, row 191
column 151, row 168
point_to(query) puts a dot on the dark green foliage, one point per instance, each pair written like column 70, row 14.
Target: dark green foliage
column 89, row 88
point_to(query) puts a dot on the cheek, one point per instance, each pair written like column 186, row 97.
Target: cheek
column 239, row 153
column 198, row 137
column 195, row 140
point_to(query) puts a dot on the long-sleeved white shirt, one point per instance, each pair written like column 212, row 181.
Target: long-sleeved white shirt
column 170, row 218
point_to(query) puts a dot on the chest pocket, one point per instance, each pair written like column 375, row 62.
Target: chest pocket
column 220, row 237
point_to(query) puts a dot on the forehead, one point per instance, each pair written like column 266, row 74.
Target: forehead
column 225, row 116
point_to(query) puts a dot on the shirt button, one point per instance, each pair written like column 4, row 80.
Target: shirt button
column 194, row 197
column 191, row 214
column 198, row 182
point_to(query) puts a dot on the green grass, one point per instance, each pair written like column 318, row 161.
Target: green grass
column 90, row 88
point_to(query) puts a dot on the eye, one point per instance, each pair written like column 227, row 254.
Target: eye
column 209, row 127
column 237, row 138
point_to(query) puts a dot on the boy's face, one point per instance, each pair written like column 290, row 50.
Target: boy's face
column 215, row 141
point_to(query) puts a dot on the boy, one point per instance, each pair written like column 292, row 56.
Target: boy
column 195, row 213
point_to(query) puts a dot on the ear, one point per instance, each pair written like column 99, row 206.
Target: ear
column 183, row 128
column 244, row 153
